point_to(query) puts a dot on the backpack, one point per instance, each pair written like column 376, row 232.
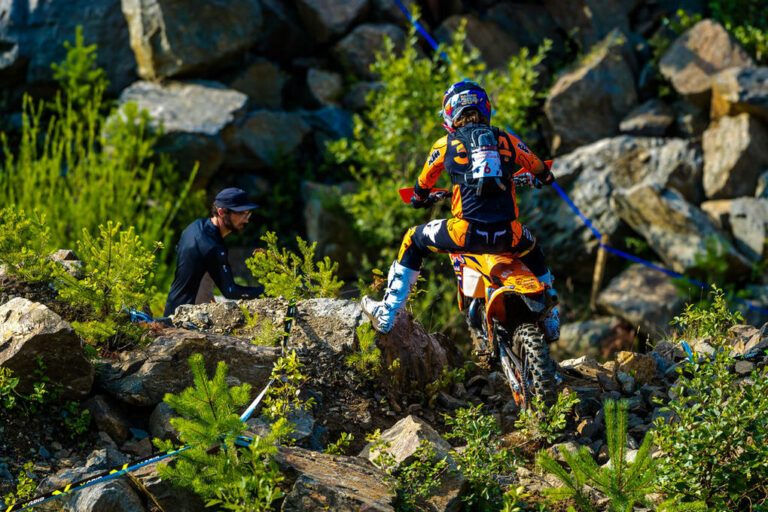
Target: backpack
column 485, row 173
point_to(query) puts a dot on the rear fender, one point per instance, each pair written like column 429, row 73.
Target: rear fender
column 495, row 307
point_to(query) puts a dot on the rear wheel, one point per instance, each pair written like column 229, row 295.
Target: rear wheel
column 530, row 366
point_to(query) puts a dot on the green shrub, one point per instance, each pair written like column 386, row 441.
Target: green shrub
column 624, row 483
column 413, row 483
column 237, row 478
column 25, row 486
column 285, row 273
column 25, row 245
column 10, row 397
column 392, row 137
column 542, row 423
column 117, row 272
column 484, row 457
column 341, row 445
column 81, row 163
column 747, row 20
column 443, row 383
column 715, row 446
column 267, row 333
column 367, row 359
column 282, row 398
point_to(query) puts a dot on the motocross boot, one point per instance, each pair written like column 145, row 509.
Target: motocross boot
column 550, row 324
column 399, row 283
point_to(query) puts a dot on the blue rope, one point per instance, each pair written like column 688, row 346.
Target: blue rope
column 575, row 208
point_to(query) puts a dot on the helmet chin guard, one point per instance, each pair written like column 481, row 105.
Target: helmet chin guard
column 463, row 95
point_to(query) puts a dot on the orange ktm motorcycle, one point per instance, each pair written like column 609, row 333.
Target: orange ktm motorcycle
column 504, row 304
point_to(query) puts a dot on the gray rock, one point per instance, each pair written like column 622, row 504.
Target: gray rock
column 588, row 103
column 160, row 422
column 588, row 21
column 198, row 119
column 584, row 338
column 262, row 81
column 328, row 123
column 691, row 121
column 651, row 119
column 167, row 495
column 676, row 230
column 748, row 219
column 358, row 49
column 319, row 481
column 30, row 332
column 110, row 496
column 265, row 137
column 144, row 377
column 171, row 37
column 743, row 367
column 740, row 90
column 32, row 34
column 529, row 23
column 719, row 210
column 355, row 99
column 735, row 153
column 495, row 45
column 218, row 317
column 746, row 339
column 643, row 296
column 325, row 86
column 697, row 55
column 108, row 417
column 590, row 176
column 327, row 19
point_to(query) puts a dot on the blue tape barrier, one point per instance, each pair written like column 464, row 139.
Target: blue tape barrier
column 576, row 210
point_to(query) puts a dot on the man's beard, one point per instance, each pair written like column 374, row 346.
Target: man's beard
column 227, row 221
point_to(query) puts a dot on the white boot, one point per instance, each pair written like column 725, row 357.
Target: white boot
column 399, row 283
column 550, row 324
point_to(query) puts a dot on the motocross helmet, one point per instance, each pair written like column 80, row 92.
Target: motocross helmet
column 462, row 95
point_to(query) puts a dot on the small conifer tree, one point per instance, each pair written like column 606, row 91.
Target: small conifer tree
column 367, row 360
column 25, row 245
column 285, row 273
column 242, row 479
column 624, row 483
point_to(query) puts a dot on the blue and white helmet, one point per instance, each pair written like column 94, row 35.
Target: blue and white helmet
column 462, row 95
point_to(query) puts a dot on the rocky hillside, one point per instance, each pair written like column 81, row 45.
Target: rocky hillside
column 124, row 396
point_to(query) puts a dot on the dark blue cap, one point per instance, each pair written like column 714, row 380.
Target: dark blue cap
column 234, row 199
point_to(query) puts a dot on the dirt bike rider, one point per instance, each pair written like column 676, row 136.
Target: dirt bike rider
column 481, row 161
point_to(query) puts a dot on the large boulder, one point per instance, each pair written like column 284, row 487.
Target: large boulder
column 588, row 103
column 590, row 175
column 318, row 481
column 679, row 232
column 357, row 51
column 262, row 81
column 590, row 20
column 739, row 90
column 529, row 24
column 264, row 137
column 748, row 220
column 198, row 119
column 495, row 45
column 171, row 37
column 327, row 19
column 644, row 297
column 697, row 55
column 32, row 33
column 735, row 153
column 30, row 335
column 144, row 377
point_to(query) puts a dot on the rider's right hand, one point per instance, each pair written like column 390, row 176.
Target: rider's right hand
column 548, row 179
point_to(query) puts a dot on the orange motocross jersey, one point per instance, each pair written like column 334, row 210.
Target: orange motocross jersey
column 449, row 153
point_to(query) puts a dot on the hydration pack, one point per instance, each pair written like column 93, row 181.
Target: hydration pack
column 485, row 174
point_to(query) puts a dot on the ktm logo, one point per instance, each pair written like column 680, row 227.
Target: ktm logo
column 433, row 157
column 522, row 147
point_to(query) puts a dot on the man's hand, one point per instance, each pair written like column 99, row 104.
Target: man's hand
column 526, row 179
column 417, row 202
column 548, row 178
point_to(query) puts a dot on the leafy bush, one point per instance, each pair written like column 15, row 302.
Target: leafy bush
column 283, row 398
column 341, row 445
column 117, row 270
column 413, row 483
column 10, row 397
column 25, row 487
column 25, row 245
column 747, row 20
column 239, row 479
column 367, row 360
column 82, row 163
column 484, row 456
column 390, row 141
column 443, row 383
column 267, row 333
column 624, row 483
column 715, row 446
column 285, row 273
column 542, row 423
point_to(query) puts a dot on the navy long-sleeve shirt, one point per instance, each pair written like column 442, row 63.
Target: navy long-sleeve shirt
column 201, row 249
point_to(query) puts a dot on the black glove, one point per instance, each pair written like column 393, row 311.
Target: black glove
column 548, row 179
column 417, row 202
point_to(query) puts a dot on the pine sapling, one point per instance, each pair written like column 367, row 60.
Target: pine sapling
column 624, row 483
